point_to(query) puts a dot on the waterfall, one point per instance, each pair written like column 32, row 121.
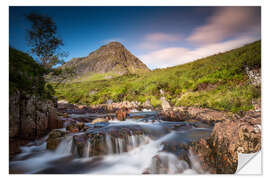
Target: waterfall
column 109, row 144
column 87, row 148
column 129, row 147
column 65, row 146
column 117, row 145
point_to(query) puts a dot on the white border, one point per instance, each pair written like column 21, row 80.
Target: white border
column 4, row 73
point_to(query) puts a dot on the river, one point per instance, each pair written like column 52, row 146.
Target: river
column 143, row 144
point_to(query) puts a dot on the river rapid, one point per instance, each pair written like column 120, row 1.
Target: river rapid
column 143, row 144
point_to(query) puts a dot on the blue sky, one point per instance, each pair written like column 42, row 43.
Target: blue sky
column 159, row 36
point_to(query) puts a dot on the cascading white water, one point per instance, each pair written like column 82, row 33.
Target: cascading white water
column 145, row 157
column 143, row 160
column 109, row 144
column 133, row 141
column 131, row 154
column 38, row 160
column 65, row 146
column 122, row 145
column 167, row 163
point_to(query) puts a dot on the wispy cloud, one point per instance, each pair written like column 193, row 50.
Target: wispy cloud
column 157, row 40
column 228, row 22
column 178, row 55
column 162, row 37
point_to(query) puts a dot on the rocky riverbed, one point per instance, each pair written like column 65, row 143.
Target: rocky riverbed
column 128, row 139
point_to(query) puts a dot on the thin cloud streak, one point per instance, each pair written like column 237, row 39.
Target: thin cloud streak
column 162, row 37
column 178, row 55
column 228, row 22
column 157, row 40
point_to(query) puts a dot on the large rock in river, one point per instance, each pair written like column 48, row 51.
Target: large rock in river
column 99, row 120
column 54, row 139
column 121, row 114
column 219, row 154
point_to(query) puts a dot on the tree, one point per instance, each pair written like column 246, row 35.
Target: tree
column 44, row 42
column 59, row 75
column 45, row 45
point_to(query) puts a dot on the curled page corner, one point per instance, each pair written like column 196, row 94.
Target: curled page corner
column 249, row 163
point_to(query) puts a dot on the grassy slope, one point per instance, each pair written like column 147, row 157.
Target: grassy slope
column 217, row 82
column 26, row 76
column 95, row 77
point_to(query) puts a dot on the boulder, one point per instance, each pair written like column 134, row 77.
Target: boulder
column 219, row 154
column 229, row 138
column 80, row 142
column 54, row 122
column 254, row 76
column 81, row 106
column 65, row 115
column 98, row 120
column 121, row 114
column 14, row 114
column 72, row 128
column 165, row 104
column 188, row 113
column 164, row 163
column 108, row 140
column 31, row 116
column 54, row 139
column 63, row 104
column 147, row 104
column 109, row 101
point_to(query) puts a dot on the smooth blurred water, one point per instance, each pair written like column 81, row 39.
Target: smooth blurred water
column 137, row 154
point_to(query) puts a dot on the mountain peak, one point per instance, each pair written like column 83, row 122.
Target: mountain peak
column 114, row 43
column 110, row 58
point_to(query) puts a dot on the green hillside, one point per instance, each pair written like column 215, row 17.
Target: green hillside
column 26, row 75
column 219, row 82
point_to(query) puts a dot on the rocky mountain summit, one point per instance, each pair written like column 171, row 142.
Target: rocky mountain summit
column 113, row 58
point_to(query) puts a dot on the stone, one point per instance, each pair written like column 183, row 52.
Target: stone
column 72, row 128
column 165, row 104
column 147, row 104
column 56, row 133
column 65, row 115
column 121, row 114
column 109, row 101
column 54, row 122
column 33, row 119
column 161, row 92
column 194, row 113
column 14, row 117
column 98, row 120
column 219, row 154
column 80, row 141
column 254, row 76
column 81, row 106
column 63, row 104
column 54, row 138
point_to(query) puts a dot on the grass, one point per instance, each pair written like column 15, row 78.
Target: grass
column 95, row 77
column 26, row 76
column 218, row 82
